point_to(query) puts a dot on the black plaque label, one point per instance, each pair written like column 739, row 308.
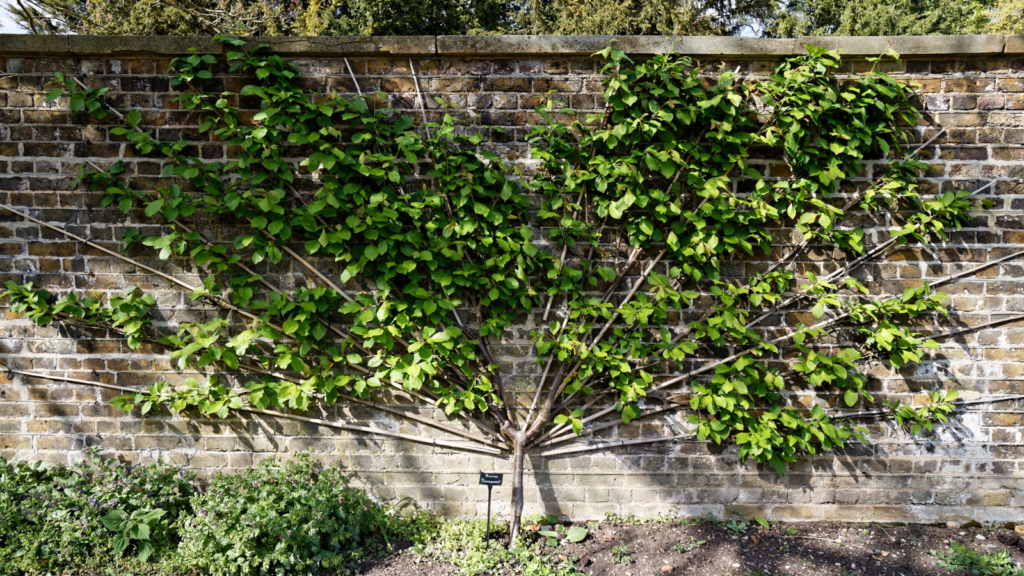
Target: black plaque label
column 491, row 478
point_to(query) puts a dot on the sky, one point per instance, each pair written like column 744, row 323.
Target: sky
column 7, row 25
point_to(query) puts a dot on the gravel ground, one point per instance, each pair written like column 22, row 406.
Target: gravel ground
column 797, row 549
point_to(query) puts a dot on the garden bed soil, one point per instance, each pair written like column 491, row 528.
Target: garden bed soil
column 797, row 549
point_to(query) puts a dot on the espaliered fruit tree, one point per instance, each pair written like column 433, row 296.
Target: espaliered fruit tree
column 446, row 247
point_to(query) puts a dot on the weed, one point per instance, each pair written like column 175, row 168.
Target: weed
column 461, row 542
column 631, row 519
column 736, row 527
column 684, row 547
column 555, row 537
column 670, row 517
column 960, row 557
column 539, row 519
column 620, row 555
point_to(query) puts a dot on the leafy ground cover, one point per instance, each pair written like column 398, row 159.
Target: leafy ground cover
column 732, row 547
column 100, row 517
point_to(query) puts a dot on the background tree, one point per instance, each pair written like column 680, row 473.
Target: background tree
column 796, row 18
column 401, row 18
column 1008, row 17
column 387, row 17
column 421, row 251
column 642, row 17
column 152, row 17
column 775, row 18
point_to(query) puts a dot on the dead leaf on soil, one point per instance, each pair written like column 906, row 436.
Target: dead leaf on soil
column 1019, row 529
column 755, row 538
column 884, row 553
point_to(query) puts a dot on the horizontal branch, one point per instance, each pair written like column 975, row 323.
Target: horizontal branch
column 318, row 274
column 881, row 411
column 609, row 424
column 91, row 244
column 174, row 280
column 878, row 412
column 410, row 437
column 614, row 444
column 608, row 410
column 385, row 408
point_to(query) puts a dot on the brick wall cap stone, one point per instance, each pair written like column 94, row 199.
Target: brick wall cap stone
column 1014, row 44
column 34, row 43
column 719, row 45
column 483, row 46
column 177, row 45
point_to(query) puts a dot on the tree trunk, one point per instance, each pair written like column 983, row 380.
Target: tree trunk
column 519, row 454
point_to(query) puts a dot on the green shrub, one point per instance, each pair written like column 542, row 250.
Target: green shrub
column 289, row 518
column 51, row 516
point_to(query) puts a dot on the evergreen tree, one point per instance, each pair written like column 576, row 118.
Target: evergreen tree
column 643, row 17
column 786, row 19
column 401, row 17
column 878, row 18
column 388, row 17
column 153, row 17
column 1008, row 17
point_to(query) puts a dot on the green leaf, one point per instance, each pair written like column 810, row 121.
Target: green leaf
column 145, row 551
column 319, row 331
column 134, row 117
column 851, row 397
column 154, row 207
column 576, row 534
column 120, row 543
column 113, row 519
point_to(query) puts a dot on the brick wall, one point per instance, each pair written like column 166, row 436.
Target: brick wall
column 973, row 86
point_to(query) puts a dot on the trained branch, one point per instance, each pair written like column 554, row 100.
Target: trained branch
column 365, row 429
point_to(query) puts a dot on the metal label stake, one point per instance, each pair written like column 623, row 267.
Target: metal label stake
column 489, row 479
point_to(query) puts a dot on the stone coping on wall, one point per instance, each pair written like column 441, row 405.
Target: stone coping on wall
column 483, row 46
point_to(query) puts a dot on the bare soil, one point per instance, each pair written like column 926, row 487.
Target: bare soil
column 797, row 549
